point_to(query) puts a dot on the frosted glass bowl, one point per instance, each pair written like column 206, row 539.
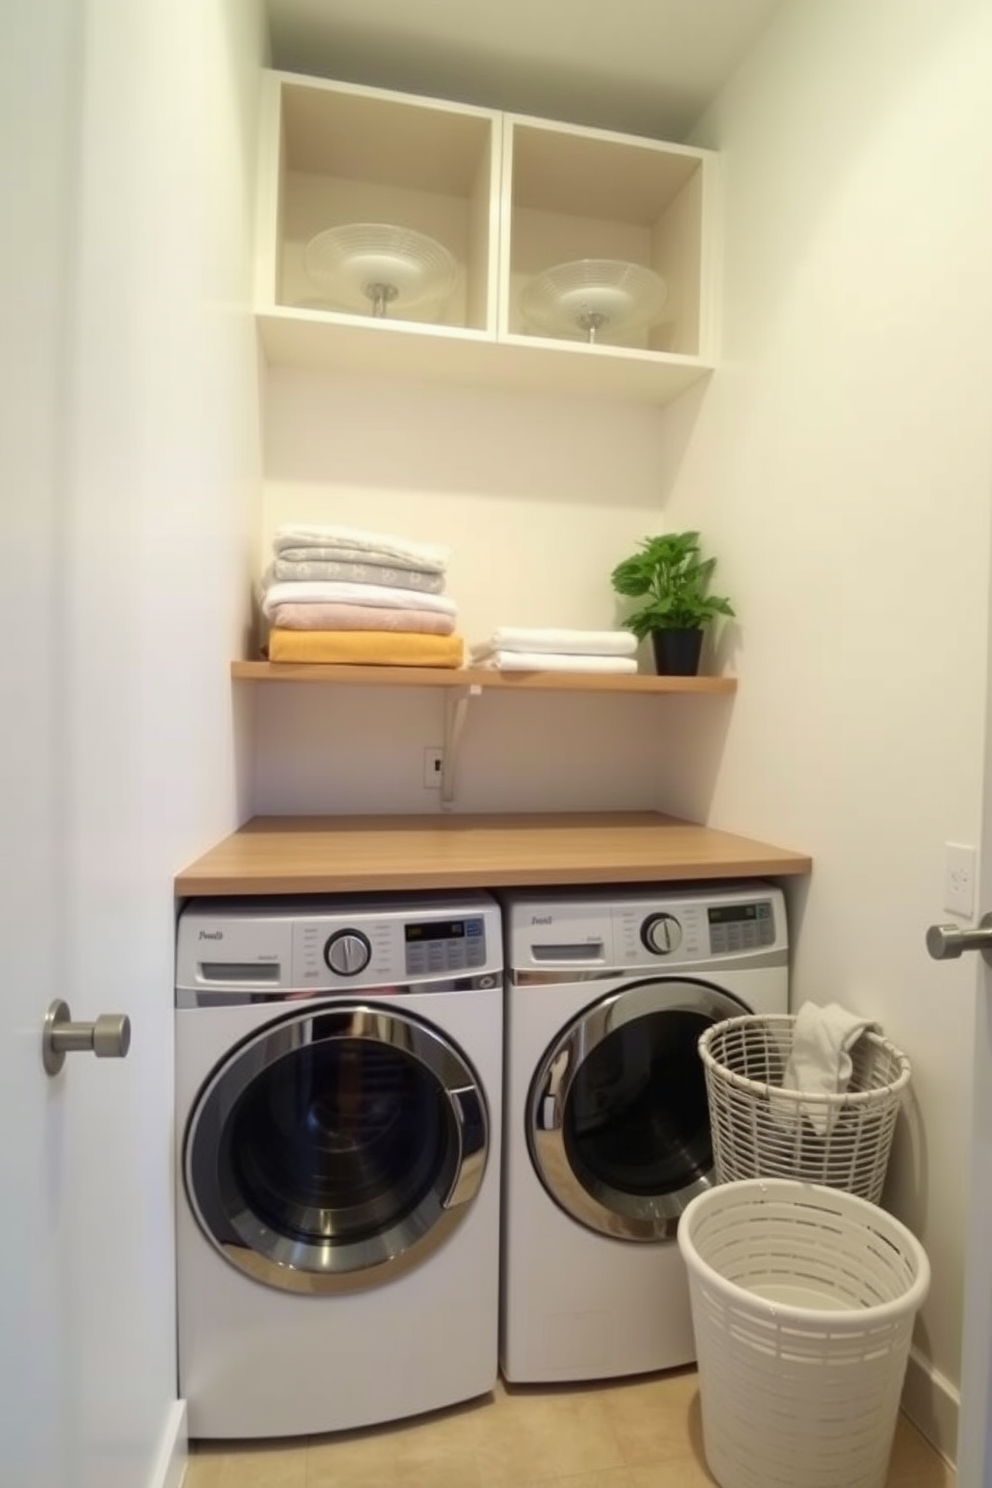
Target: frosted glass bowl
column 377, row 267
column 593, row 299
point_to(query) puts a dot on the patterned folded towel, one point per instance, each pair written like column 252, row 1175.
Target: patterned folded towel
column 563, row 642
column 552, row 661
column 299, row 570
column 360, row 617
column 402, row 552
column 384, row 596
column 366, row 648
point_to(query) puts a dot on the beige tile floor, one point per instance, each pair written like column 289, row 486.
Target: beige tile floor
column 642, row 1433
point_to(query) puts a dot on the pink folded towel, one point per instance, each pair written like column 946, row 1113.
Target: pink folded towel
column 360, row 617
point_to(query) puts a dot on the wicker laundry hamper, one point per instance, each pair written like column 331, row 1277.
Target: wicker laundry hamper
column 803, row 1303
column 760, row 1130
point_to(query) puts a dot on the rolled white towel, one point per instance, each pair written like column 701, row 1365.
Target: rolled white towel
column 433, row 557
column 551, row 661
column 317, row 592
column 561, row 642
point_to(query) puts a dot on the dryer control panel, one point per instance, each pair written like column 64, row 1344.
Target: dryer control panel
column 596, row 929
column 280, row 946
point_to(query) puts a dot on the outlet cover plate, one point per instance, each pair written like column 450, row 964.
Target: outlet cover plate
column 433, row 767
column 959, row 879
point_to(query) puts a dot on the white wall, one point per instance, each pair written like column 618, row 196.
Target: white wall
column 841, row 466
column 163, row 490
column 538, row 498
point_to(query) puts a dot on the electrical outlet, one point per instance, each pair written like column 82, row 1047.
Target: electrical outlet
column 433, row 767
column 959, row 879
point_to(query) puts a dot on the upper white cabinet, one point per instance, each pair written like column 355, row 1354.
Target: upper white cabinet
column 415, row 237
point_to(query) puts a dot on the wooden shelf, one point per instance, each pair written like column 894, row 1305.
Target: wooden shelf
column 385, row 676
column 347, row 854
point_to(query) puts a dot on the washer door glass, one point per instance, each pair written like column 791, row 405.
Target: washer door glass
column 618, row 1121
column 335, row 1148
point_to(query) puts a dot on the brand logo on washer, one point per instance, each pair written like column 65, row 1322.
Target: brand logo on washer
column 211, row 935
column 542, row 919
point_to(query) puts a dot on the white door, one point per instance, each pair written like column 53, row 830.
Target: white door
column 35, row 1329
column 975, row 1431
column 70, row 1205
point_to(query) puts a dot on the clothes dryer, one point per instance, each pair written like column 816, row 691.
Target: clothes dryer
column 338, row 1125
column 606, row 1135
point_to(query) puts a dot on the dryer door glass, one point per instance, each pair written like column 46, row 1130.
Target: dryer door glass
column 619, row 1121
column 336, row 1148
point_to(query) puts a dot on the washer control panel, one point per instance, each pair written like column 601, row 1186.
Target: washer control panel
column 338, row 944
column 741, row 927
column 678, row 926
column 444, row 947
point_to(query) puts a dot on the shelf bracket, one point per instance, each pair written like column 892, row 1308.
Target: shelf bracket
column 455, row 710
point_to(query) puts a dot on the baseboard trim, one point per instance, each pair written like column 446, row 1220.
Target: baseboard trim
column 170, row 1464
column 933, row 1405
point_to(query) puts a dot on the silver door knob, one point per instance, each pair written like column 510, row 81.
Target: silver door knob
column 946, row 942
column 108, row 1038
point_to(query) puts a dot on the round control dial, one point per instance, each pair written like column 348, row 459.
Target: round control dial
column 662, row 934
column 348, row 952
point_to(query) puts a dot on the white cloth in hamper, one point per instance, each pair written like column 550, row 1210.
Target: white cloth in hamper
column 819, row 1061
column 564, row 642
column 316, row 592
column 551, row 661
column 430, row 556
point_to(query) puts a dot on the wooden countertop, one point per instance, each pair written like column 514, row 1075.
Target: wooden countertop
column 346, row 854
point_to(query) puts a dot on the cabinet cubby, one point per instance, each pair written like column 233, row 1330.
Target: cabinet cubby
column 507, row 197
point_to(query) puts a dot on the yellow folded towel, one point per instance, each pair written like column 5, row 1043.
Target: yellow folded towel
column 366, row 647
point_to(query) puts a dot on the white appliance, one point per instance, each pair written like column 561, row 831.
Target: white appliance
column 338, row 1121
column 606, row 1135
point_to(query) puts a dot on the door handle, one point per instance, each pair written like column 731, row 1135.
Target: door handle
column 946, row 942
column 108, row 1038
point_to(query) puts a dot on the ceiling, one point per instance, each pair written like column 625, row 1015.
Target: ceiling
column 639, row 66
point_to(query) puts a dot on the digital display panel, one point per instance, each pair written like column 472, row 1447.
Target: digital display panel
column 726, row 914
column 417, row 934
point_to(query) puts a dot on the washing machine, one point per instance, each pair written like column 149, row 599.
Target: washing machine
column 338, row 1131
column 606, row 1134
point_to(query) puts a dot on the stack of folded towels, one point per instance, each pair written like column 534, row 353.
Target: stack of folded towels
column 514, row 649
column 342, row 594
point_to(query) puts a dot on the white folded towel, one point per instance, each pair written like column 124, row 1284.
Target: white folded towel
column 820, row 1062
column 565, row 642
column 318, row 592
column 430, row 556
column 550, row 661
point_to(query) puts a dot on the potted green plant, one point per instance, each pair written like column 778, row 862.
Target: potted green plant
column 671, row 575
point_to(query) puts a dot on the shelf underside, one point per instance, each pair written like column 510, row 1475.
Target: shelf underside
column 481, row 677
column 520, row 364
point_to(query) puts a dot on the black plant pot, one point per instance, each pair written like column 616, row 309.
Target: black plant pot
column 676, row 652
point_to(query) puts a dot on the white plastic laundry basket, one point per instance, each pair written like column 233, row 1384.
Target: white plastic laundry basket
column 803, row 1300
column 761, row 1130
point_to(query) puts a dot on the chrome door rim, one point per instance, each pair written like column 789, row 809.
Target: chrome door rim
column 295, row 1265
column 617, row 1213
